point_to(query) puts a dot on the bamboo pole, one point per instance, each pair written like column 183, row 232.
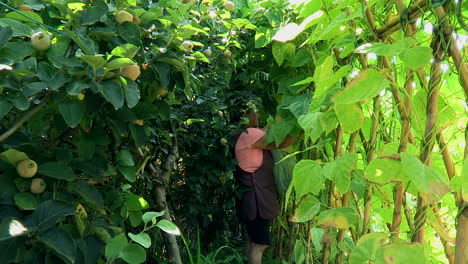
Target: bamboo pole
column 430, row 132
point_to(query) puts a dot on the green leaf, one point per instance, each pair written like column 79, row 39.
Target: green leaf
column 19, row 29
column 71, row 111
column 401, row 253
column 365, row 85
column 278, row 53
column 88, row 192
column 124, row 158
column 51, row 212
column 118, row 63
column 129, row 172
column 138, row 134
column 5, row 107
column 416, row 57
column 312, row 125
column 350, row 116
column 277, row 132
column 60, row 242
column 20, row 102
column 113, row 93
column 389, row 50
column 26, row 201
column 168, row 227
column 126, row 50
column 13, row 156
column 6, row 33
column 57, row 170
column 464, row 180
column 133, row 254
column 130, row 32
column 132, row 94
column 366, row 248
column 288, row 32
column 95, row 61
column 299, row 252
column 91, row 15
column 306, row 210
column 151, row 216
column 135, row 203
column 20, row 17
column 430, row 184
column 141, row 238
column 76, row 86
column 115, row 246
column 16, row 51
column 34, row 88
column 340, row 171
column 341, row 218
column 383, row 171
column 307, row 178
column 135, row 217
column 85, row 44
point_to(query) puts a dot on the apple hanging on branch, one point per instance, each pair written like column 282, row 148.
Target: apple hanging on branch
column 40, row 41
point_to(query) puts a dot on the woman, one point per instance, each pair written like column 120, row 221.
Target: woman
column 254, row 172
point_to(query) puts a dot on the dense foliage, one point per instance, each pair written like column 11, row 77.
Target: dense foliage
column 128, row 109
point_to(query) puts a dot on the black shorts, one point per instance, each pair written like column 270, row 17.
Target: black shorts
column 259, row 231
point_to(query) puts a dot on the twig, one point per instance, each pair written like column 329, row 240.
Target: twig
column 25, row 118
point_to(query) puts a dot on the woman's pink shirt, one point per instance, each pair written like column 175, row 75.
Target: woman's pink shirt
column 249, row 158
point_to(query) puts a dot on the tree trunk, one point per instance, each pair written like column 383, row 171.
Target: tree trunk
column 161, row 178
column 461, row 244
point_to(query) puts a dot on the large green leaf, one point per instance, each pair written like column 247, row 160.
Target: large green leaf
column 401, row 253
column 5, row 107
column 89, row 193
column 115, row 246
column 306, row 210
column 430, row 184
column 132, row 94
column 350, row 116
column 19, row 29
column 34, row 88
column 26, row 201
column 124, row 158
column 366, row 248
column 61, row 242
column 340, row 171
column 342, row 218
column 135, row 203
column 71, row 111
column 365, row 85
column 113, row 93
column 16, row 51
column 91, row 15
column 118, row 63
column 126, row 50
column 307, row 178
column 133, row 254
column 129, row 172
column 141, row 238
column 57, row 170
column 151, row 216
column 13, row 156
column 384, row 171
column 277, row 132
column 51, row 212
column 6, row 33
column 312, row 125
column 130, row 32
column 168, row 227
column 95, row 61
column 416, row 57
